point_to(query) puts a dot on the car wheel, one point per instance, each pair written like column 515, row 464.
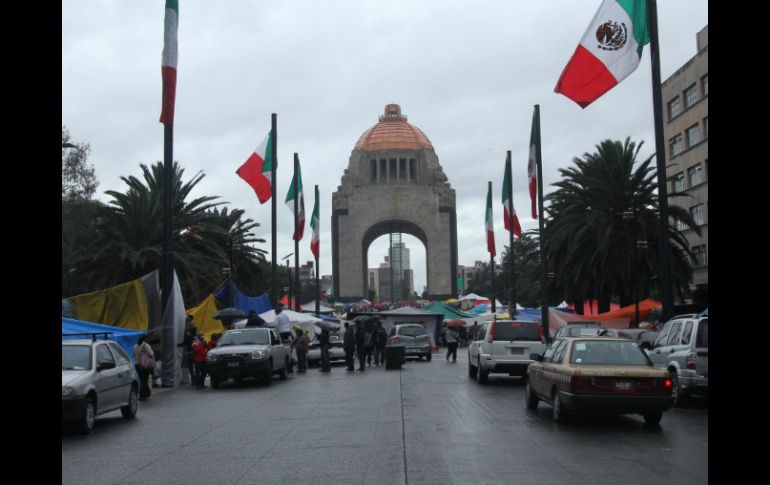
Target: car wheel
column 678, row 396
column 559, row 413
column 530, row 397
column 86, row 422
column 472, row 370
column 129, row 410
column 428, row 357
column 215, row 382
column 481, row 374
column 653, row 419
column 267, row 377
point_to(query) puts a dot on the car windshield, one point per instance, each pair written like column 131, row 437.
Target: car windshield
column 510, row 331
column 608, row 352
column 703, row 334
column 412, row 330
column 584, row 331
column 245, row 337
column 76, row 357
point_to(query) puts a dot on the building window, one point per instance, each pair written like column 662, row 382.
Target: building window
column 372, row 170
column 699, row 255
column 680, row 225
column 674, row 108
column 705, row 84
column 383, row 170
column 697, row 214
column 402, row 173
column 412, row 169
column 393, row 163
column 690, row 96
column 693, row 135
column 706, row 127
column 695, row 175
column 676, row 145
column 679, row 182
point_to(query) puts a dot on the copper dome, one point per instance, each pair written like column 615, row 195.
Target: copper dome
column 393, row 132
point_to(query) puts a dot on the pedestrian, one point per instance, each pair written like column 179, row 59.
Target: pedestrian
column 349, row 344
column 462, row 334
column 369, row 345
column 282, row 324
column 380, row 340
column 474, row 331
column 360, row 339
column 254, row 320
column 199, row 359
column 300, row 344
column 451, row 343
column 145, row 363
column 323, row 339
column 188, row 369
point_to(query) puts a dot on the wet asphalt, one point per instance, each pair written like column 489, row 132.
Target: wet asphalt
column 425, row 424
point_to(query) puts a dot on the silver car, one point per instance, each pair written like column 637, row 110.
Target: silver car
column 97, row 377
column 336, row 350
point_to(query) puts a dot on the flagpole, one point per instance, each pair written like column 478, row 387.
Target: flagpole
column 543, row 259
column 664, row 246
column 512, row 304
column 296, row 227
column 317, row 270
column 274, row 180
column 492, row 263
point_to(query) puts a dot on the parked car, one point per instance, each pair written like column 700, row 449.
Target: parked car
column 248, row 352
column 598, row 374
column 336, row 350
column 682, row 347
column 97, row 376
column 504, row 346
column 580, row 329
column 413, row 337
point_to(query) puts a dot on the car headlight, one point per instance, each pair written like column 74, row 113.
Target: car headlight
column 211, row 357
column 67, row 392
column 259, row 354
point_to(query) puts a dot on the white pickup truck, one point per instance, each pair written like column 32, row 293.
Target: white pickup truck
column 248, row 352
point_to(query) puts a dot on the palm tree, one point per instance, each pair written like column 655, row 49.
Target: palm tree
column 589, row 243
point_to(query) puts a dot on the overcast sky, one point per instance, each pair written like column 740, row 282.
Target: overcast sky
column 467, row 73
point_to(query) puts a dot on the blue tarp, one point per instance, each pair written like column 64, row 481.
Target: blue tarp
column 230, row 296
column 124, row 337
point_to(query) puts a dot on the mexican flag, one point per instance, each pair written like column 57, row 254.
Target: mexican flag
column 257, row 170
column 169, row 60
column 299, row 228
column 509, row 213
column 609, row 51
column 489, row 224
column 315, row 224
column 534, row 139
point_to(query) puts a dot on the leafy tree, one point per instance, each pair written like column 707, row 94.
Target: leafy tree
column 78, row 178
column 590, row 244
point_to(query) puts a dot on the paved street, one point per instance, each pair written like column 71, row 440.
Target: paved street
column 428, row 423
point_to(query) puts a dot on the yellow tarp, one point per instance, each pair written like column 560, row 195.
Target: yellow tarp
column 120, row 306
column 203, row 317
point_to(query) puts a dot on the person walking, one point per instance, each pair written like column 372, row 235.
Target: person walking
column 282, row 324
column 380, row 340
column 199, row 359
column 369, row 345
column 253, row 320
column 451, row 343
column 360, row 339
column 188, row 374
column 323, row 339
column 349, row 344
column 144, row 359
column 300, row 344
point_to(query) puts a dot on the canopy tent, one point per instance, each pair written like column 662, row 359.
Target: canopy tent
column 230, row 296
column 627, row 313
column 591, row 307
column 294, row 317
column 203, row 317
column 310, row 307
column 473, row 296
column 449, row 312
column 126, row 338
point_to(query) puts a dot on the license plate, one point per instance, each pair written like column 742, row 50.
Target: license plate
column 518, row 350
column 623, row 386
column 233, row 364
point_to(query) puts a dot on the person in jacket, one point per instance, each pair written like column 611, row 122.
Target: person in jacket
column 349, row 344
column 254, row 320
column 199, row 360
column 142, row 347
column 360, row 338
column 301, row 344
column 380, row 340
column 451, row 343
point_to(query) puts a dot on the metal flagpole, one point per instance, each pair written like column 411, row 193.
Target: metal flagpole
column 296, row 226
column 543, row 259
column 509, row 174
column 317, row 270
column 274, row 180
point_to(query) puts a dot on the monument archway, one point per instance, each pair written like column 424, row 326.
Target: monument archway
column 393, row 184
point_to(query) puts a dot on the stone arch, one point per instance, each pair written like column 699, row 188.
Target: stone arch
column 383, row 228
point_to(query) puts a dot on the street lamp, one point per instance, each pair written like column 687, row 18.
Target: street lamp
column 288, row 269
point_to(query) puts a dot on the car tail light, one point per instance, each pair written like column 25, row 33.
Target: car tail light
column 395, row 339
column 692, row 360
column 427, row 338
column 582, row 383
column 668, row 383
column 491, row 333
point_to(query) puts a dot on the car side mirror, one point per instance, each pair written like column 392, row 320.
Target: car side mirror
column 103, row 365
column 537, row 357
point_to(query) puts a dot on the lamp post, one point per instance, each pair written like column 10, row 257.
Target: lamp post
column 631, row 215
column 288, row 269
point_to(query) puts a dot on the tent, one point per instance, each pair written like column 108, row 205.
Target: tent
column 310, row 307
column 294, row 317
column 627, row 314
column 591, row 307
column 126, row 338
column 230, row 296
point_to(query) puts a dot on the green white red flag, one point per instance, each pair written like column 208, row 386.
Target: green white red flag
column 509, row 213
column 534, row 139
column 299, row 217
column 489, row 224
column 257, row 170
column 169, row 61
column 609, row 51
column 315, row 224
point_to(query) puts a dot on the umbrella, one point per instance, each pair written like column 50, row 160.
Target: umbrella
column 227, row 315
column 326, row 325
